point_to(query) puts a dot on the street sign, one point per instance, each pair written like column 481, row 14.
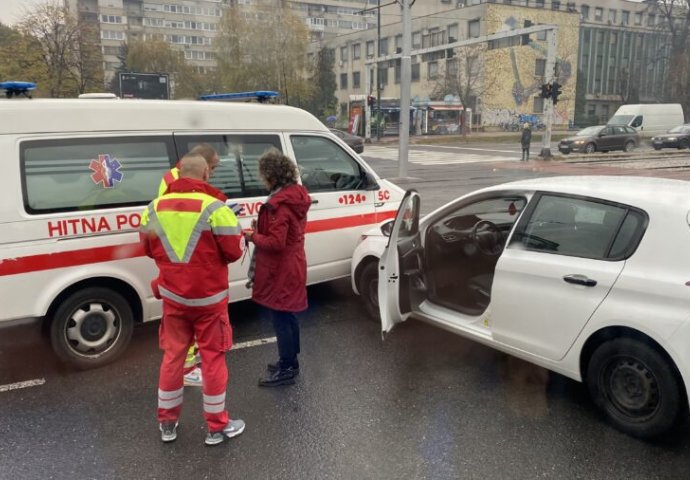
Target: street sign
column 151, row 86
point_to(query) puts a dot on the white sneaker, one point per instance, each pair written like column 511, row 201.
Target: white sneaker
column 193, row 378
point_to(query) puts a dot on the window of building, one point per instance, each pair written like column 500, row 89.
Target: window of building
column 570, row 6
column 587, row 35
column 625, row 17
column 600, row 36
column 111, row 19
column 555, row 5
column 651, row 20
column 416, row 40
column 110, row 35
column 432, row 70
column 383, row 47
column 452, row 67
column 584, row 12
column 638, row 18
column 540, row 3
column 370, row 49
column 356, row 51
column 541, row 35
column 383, row 76
column 473, row 28
column 398, row 43
column 356, row 79
column 540, row 67
column 612, row 15
column 415, row 72
column 598, row 14
column 324, row 166
column 343, row 54
column 396, row 72
column 453, row 33
column 438, row 37
column 613, row 38
column 68, row 174
column 343, row 81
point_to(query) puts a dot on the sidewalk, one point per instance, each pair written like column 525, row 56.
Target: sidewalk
column 474, row 137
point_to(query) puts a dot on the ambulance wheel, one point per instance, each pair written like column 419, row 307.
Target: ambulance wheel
column 368, row 287
column 91, row 328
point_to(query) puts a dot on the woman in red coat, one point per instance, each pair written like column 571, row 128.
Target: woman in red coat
column 278, row 271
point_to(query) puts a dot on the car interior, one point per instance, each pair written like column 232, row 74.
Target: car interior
column 462, row 249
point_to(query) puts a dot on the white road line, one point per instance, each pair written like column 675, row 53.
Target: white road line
column 254, row 343
column 18, row 385
column 464, row 148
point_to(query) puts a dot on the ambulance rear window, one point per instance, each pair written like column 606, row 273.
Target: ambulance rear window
column 93, row 173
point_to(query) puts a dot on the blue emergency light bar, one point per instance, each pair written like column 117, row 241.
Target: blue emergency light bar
column 15, row 89
column 261, row 96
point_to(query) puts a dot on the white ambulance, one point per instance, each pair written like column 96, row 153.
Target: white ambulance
column 76, row 174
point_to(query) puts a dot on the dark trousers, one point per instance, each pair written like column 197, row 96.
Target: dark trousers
column 286, row 327
column 525, row 153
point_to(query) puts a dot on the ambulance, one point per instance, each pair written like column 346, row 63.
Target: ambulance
column 76, row 175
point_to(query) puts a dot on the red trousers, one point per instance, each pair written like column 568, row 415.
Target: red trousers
column 178, row 329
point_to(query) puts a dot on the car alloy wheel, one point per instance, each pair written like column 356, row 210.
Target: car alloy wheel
column 629, row 146
column 590, row 148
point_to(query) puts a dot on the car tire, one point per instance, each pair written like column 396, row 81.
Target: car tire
column 91, row 328
column 684, row 144
column 657, row 148
column 590, row 148
column 629, row 146
column 368, row 286
column 635, row 387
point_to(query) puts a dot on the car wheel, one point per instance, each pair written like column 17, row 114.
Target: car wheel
column 92, row 327
column 684, row 143
column 635, row 387
column 368, row 286
column 629, row 146
column 590, row 148
column 657, row 148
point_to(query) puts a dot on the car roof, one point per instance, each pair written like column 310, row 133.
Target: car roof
column 643, row 192
column 94, row 115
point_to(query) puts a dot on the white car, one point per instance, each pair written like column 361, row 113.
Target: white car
column 585, row 276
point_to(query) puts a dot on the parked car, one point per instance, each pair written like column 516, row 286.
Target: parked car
column 601, row 138
column 585, row 276
column 677, row 137
column 354, row 142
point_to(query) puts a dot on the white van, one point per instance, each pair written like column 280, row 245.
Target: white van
column 649, row 119
column 77, row 174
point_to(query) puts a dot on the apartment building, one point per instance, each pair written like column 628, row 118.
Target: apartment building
column 616, row 46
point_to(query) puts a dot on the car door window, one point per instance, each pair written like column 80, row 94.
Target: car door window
column 91, row 173
column 580, row 227
column 324, row 166
column 618, row 130
column 637, row 122
column 237, row 174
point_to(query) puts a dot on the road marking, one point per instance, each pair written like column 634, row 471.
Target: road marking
column 254, row 343
column 18, row 385
column 465, row 148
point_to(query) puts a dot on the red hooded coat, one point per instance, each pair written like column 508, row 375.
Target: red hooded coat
column 280, row 275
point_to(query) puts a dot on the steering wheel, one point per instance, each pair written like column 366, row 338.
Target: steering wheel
column 487, row 237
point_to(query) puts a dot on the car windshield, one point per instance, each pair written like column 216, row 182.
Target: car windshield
column 680, row 129
column 621, row 119
column 588, row 132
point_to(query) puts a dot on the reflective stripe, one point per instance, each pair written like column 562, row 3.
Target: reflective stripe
column 236, row 230
column 155, row 225
column 201, row 225
column 214, row 403
column 193, row 302
column 171, row 399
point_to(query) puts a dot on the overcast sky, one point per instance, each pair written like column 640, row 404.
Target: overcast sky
column 11, row 10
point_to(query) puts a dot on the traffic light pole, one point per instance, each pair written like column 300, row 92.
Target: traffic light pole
column 367, row 108
column 405, row 87
column 552, row 42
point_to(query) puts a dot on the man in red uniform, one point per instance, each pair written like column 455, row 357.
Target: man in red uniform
column 193, row 236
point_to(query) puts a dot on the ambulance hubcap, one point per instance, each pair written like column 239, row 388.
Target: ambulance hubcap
column 92, row 328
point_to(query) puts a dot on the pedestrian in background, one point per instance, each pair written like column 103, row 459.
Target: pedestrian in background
column 278, row 269
column 193, row 236
column 525, row 141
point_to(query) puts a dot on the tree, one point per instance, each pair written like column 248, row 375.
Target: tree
column 323, row 101
column 157, row 56
column 465, row 77
column 674, row 18
column 67, row 48
column 20, row 58
column 263, row 47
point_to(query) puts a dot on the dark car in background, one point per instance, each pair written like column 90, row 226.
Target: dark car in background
column 601, row 138
column 354, row 142
column 677, row 137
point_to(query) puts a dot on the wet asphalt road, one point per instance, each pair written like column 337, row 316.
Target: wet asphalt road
column 423, row 404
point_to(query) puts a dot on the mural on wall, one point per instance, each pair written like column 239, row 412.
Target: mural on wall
column 515, row 93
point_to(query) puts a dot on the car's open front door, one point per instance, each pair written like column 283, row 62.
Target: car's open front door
column 400, row 268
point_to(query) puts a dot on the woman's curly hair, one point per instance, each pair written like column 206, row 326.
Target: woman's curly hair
column 277, row 168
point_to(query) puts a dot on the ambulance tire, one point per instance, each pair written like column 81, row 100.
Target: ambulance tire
column 91, row 328
column 368, row 285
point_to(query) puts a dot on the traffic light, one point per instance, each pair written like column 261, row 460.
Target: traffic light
column 525, row 38
column 545, row 90
column 555, row 92
column 371, row 100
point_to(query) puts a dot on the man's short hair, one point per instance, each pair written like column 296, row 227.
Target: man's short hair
column 206, row 151
column 193, row 165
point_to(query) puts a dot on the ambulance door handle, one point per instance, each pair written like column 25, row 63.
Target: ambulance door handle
column 314, row 201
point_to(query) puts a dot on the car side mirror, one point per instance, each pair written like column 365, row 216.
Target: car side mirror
column 369, row 181
column 387, row 228
column 602, row 134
